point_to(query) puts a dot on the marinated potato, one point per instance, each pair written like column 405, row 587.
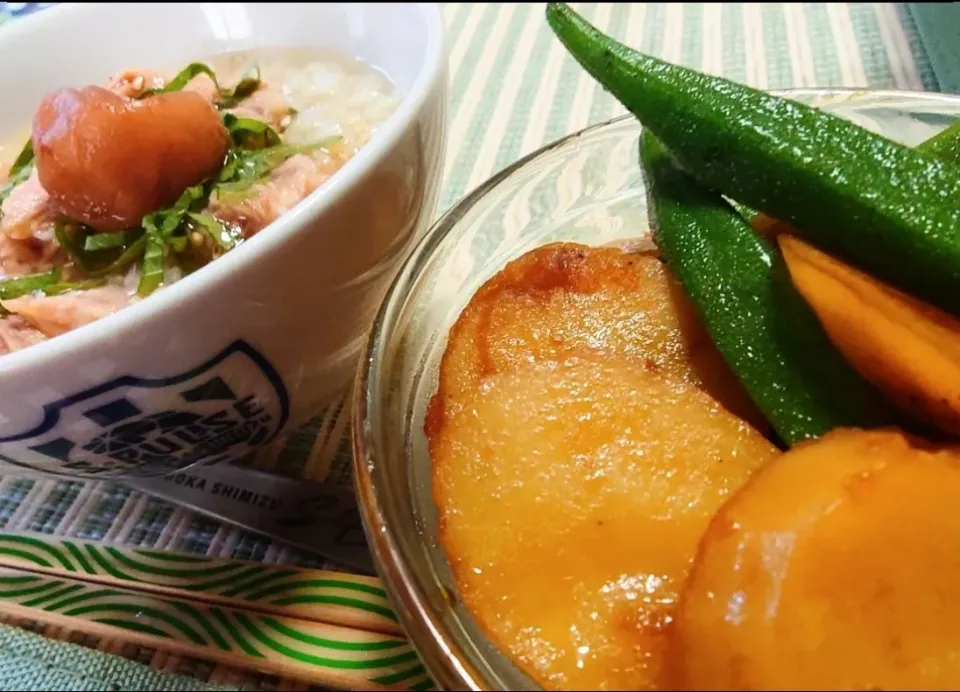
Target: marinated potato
column 565, row 299
column 836, row 567
column 571, row 497
column 908, row 348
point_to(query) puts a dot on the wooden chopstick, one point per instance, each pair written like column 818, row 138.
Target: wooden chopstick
column 331, row 628
column 317, row 652
column 335, row 598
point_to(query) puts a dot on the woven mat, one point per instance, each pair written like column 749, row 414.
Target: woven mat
column 513, row 89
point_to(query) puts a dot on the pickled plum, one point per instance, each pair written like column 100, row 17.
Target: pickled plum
column 107, row 160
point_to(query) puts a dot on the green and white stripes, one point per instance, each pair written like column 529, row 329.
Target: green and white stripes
column 310, row 650
column 345, row 599
column 510, row 101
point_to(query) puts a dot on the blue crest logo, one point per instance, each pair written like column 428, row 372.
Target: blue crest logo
column 132, row 426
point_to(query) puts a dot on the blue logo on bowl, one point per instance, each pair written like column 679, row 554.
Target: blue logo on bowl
column 133, row 426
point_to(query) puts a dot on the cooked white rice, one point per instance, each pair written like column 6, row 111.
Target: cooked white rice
column 333, row 94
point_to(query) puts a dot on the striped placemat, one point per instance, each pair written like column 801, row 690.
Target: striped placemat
column 510, row 101
column 513, row 89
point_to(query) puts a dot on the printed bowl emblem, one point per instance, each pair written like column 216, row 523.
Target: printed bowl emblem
column 134, row 426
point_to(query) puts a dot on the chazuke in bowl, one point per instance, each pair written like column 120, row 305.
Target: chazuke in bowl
column 120, row 189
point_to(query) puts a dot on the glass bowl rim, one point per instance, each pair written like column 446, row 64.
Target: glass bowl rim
column 445, row 660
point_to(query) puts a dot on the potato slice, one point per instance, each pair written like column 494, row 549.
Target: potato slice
column 909, row 349
column 571, row 497
column 566, row 299
column 836, row 567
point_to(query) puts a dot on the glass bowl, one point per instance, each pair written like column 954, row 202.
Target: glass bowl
column 586, row 188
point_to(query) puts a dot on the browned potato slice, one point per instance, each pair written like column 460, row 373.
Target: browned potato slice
column 836, row 567
column 571, row 497
column 564, row 299
column 908, row 348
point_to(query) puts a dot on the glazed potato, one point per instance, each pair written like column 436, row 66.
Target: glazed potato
column 566, row 299
column 908, row 348
column 836, row 567
column 571, row 496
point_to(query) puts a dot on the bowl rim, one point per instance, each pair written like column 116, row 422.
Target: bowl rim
column 164, row 304
column 446, row 662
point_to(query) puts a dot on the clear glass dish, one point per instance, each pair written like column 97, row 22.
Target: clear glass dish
column 585, row 188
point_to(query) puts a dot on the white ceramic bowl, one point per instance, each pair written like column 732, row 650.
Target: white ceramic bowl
column 225, row 359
